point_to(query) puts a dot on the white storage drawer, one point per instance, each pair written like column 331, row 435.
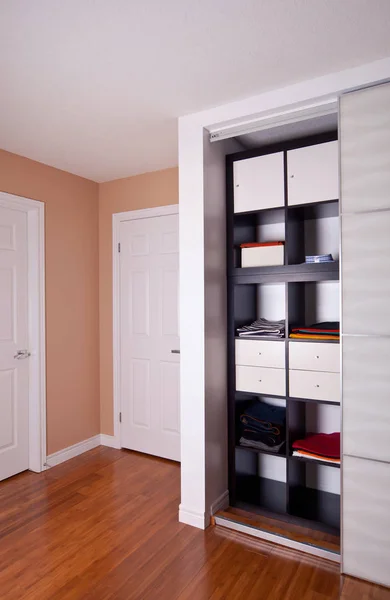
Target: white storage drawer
column 258, row 182
column 262, row 256
column 309, row 356
column 260, row 353
column 261, row 380
column 315, row 385
column 313, row 174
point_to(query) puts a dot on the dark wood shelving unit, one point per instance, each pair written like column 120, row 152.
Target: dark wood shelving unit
column 292, row 500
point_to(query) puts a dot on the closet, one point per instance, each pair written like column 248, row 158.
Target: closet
column 284, row 196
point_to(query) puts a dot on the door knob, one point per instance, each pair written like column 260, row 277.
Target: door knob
column 22, row 354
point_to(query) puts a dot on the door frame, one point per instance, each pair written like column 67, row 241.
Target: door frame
column 117, row 219
column 35, row 211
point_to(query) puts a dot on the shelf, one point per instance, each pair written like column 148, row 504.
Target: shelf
column 311, row 461
column 262, row 339
column 286, row 273
column 267, row 494
column 257, row 394
column 259, row 211
column 281, row 453
column 313, row 341
column 313, row 401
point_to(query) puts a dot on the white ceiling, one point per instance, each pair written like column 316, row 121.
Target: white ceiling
column 95, row 87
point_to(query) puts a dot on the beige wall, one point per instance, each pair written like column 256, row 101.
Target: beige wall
column 158, row 188
column 72, row 309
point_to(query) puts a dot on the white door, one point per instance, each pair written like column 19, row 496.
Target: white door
column 149, row 336
column 14, row 441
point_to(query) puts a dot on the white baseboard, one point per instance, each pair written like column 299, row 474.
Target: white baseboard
column 190, row 517
column 72, row 451
column 220, row 503
column 109, row 440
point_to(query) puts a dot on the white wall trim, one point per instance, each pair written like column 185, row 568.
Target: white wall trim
column 36, row 323
column 117, row 219
column 72, row 451
column 109, row 440
column 195, row 519
column 220, row 503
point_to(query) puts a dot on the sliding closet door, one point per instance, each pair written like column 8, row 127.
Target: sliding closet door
column 365, row 231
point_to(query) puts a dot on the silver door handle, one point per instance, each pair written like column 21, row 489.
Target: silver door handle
column 175, row 351
column 22, row 354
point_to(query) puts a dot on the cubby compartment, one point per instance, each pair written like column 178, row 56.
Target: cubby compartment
column 312, row 230
column 250, row 434
column 265, row 227
column 314, row 484
column 258, row 182
column 313, row 302
column 255, row 301
column 261, row 482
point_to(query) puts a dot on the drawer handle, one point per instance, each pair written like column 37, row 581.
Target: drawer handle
column 260, row 380
column 317, row 357
column 316, row 385
column 259, row 353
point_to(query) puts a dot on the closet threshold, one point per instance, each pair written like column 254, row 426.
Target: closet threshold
column 288, row 531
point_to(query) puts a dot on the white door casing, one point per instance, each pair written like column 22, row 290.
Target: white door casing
column 22, row 328
column 149, row 331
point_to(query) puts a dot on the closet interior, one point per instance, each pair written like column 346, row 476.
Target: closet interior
column 283, row 328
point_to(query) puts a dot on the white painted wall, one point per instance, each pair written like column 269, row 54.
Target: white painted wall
column 195, row 253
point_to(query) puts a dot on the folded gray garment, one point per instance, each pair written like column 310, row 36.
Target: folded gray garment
column 260, row 445
column 263, row 327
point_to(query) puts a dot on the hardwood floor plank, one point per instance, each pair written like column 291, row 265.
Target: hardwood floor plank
column 104, row 526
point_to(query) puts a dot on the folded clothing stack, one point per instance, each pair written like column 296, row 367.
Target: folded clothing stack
column 263, row 427
column 263, row 328
column 320, row 446
column 319, row 258
column 328, row 330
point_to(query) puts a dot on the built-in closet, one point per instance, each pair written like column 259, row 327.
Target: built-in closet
column 308, row 290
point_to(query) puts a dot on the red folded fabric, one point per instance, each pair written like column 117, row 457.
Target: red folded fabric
column 260, row 244
column 322, row 444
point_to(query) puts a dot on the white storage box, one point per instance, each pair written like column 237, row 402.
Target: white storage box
column 262, row 256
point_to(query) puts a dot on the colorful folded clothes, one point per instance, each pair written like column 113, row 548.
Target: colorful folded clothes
column 327, row 330
column 263, row 427
column 319, row 446
column 263, row 328
column 316, row 457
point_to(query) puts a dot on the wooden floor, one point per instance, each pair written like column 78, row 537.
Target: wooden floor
column 104, row 526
